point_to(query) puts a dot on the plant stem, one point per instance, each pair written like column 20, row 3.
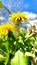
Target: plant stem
column 34, row 59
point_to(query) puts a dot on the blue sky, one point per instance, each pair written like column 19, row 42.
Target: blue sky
column 23, row 5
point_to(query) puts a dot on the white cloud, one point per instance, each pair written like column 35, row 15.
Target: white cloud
column 2, row 18
column 33, row 22
column 32, row 18
column 31, row 15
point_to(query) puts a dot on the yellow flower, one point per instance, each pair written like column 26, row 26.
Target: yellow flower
column 5, row 27
column 18, row 17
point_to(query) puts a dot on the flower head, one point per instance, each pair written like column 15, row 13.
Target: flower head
column 18, row 17
column 5, row 27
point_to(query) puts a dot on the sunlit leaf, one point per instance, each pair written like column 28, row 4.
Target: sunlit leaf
column 1, row 58
column 19, row 59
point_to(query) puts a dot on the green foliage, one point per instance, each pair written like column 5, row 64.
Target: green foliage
column 1, row 4
column 4, row 50
column 13, row 48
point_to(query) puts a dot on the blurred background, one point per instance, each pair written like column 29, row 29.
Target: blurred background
column 28, row 6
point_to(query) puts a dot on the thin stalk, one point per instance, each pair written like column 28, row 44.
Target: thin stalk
column 18, row 27
column 34, row 58
column 7, row 9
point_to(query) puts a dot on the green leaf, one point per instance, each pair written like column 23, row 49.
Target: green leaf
column 1, row 4
column 10, row 34
column 20, row 59
column 29, row 54
column 4, row 49
column 1, row 58
column 35, row 44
